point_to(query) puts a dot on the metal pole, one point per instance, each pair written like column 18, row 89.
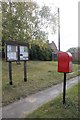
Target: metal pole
column 25, row 74
column 64, row 88
column 10, row 73
column 58, row 29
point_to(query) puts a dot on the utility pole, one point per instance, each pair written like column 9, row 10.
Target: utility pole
column 58, row 29
column 64, row 83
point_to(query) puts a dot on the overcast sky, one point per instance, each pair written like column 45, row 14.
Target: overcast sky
column 68, row 22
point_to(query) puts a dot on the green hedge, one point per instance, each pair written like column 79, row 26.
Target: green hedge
column 39, row 53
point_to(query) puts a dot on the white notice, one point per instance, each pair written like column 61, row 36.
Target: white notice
column 21, row 49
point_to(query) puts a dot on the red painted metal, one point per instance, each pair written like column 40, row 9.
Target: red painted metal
column 65, row 62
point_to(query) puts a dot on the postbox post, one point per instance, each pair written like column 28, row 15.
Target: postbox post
column 64, row 88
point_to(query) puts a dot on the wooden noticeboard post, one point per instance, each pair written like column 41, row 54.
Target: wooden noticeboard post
column 16, row 52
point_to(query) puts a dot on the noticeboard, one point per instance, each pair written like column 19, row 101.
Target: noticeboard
column 12, row 53
column 16, row 52
column 23, row 53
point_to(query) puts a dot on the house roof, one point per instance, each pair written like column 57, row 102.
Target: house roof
column 53, row 47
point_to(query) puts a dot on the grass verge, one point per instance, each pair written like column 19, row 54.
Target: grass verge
column 56, row 109
column 41, row 74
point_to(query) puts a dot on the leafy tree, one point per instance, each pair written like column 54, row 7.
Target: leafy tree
column 24, row 21
column 49, row 19
column 73, row 50
column 16, row 21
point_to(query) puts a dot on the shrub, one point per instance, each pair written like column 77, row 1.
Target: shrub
column 40, row 53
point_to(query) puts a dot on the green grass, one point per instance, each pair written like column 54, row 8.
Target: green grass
column 56, row 109
column 41, row 74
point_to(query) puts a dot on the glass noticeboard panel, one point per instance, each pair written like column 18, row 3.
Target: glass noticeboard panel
column 23, row 53
column 16, row 52
column 12, row 52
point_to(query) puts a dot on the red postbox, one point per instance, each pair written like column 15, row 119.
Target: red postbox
column 64, row 62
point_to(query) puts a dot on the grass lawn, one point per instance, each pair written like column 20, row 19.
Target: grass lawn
column 56, row 109
column 41, row 74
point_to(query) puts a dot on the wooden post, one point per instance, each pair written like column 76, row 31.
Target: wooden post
column 10, row 73
column 25, row 74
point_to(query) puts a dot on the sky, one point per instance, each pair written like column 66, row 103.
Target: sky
column 68, row 23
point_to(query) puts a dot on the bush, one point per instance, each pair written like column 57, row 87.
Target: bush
column 39, row 53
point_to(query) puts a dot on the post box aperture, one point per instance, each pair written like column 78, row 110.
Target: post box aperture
column 64, row 62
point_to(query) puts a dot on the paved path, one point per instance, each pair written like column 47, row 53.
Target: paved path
column 22, row 107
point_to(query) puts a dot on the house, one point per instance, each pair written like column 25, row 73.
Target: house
column 54, row 48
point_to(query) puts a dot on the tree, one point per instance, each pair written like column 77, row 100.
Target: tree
column 25, row 21
column 73, row 50
column 49, row 19
column 16, row 24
